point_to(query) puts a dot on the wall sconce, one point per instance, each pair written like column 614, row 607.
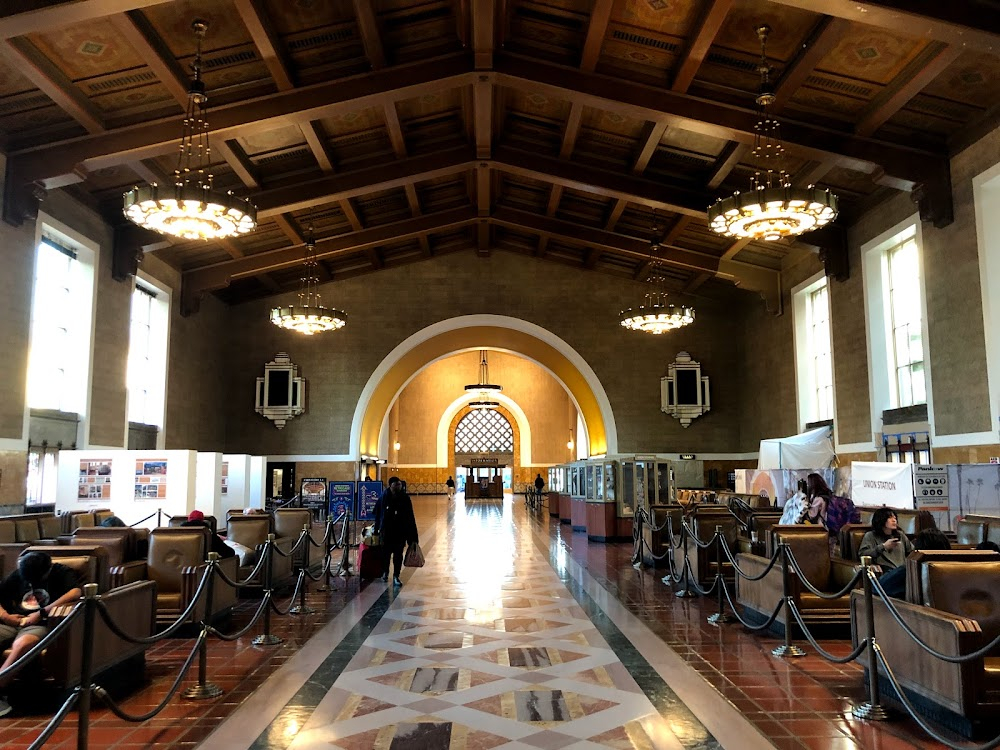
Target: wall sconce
column 569, row 443
column 395, row 442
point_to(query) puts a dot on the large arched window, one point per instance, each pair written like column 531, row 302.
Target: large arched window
column 484, row 431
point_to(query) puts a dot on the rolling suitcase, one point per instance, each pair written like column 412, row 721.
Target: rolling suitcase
column 369, row 561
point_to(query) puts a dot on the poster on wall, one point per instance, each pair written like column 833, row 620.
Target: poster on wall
column 313, row 492
column 225, row 478
column 341, row 498
column 879, row 483
column 368, row 495
column 150, row 479
column 781, row 484
column 95, row 480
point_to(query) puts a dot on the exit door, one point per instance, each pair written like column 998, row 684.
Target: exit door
column 280, row 481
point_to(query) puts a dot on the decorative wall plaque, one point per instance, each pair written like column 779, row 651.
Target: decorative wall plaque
column 281, row 394
column 684, row 393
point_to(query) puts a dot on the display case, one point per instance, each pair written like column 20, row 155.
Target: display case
column 626, row 493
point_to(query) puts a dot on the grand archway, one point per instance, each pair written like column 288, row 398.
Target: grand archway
column 475, row 332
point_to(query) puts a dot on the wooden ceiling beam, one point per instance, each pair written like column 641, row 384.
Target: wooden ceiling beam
column 295, row 107
column 371, row 37
column 336, row 187
column 700, row 43
column 317, row 144
column 617, row 209
column 396, row 137
column 820, row 42
column 375, row 258
column 555, row 196
column 287, row 224
column 571, row 131
column 484, row 189
column 696, row 283
column 653, row 135
column 634, row 189
column 484, row 25
column 973, row 25
column 676, row 230
column 597, row 27
column 238, row 161
column 28, row 60
column 924, row 68
column 218, row 275
column 141, row 35
column 733, row 250
column 42, row 16
column 902, row 166
column 351, row 214
column 726, row 163
column 267, row 41
column 482, row 109
column 412, row 199
column 578, row 234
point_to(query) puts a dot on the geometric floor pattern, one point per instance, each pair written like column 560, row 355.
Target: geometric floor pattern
column 485, row 647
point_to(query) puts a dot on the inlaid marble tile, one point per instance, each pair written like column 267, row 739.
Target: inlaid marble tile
column 516, row 602
column 445, row 639
column 528, row 656
column 434, row 680
column 541, row 705
column 424, row 735
column 520, row 625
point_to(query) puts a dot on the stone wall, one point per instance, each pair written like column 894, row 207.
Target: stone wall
column 580, row 307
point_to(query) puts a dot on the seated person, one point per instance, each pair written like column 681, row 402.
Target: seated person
column 794, row 505
column 988, row 545
column 27, row 596
column 197, row 518
column 113, row 522
column 894, row 581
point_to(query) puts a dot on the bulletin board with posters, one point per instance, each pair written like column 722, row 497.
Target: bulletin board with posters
column 95, row 480
column 150, row 479
column 225, row 479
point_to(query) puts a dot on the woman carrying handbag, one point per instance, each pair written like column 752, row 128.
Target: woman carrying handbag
column 396, row 527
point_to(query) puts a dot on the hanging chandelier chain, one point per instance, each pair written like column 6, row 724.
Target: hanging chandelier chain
column 767, row 148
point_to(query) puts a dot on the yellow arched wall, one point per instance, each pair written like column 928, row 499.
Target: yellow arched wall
column 482, row 337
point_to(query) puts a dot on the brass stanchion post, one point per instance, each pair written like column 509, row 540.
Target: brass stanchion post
column 787, row 648
column 685, row 592
column 872, row 709
column 637, row 561
column 327, row 551
column 86, row 666
column 720, row 617
column 267, row 638
column 345, row 561
column 302, row 608
column 205, row 689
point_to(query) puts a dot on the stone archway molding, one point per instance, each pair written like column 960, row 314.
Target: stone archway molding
column 523, row 427
column 469, row 332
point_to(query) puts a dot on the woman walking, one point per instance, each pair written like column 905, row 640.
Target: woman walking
column 395, row 524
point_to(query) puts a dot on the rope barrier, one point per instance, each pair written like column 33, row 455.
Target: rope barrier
column 745, row 623
column 815, row 591
column 739, row 571
column 901, row 694
column 56, row 720
column 819, row 649
column 246, row 629
column 886, row 599
column 182, row 619
column 250, row 580
column 118, row 711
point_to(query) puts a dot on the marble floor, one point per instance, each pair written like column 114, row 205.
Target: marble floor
column 516, row 633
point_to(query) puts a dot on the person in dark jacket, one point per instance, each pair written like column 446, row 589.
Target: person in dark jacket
column 539, row 483
column 197, row 518
column 395, row 524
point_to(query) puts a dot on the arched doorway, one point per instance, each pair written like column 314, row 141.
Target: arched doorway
column 485, row 446
column 496, row 332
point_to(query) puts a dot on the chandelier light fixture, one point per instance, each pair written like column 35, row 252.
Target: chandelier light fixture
column 655, row 314
column 191, row 208
column 484, row 387
column 309, row 316
column 772, row 208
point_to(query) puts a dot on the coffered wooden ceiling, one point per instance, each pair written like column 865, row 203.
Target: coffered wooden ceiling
column 405, row 129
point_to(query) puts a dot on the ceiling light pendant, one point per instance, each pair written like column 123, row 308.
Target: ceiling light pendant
column 191, row 208
column 654, row 314
column 309, row 316
column 484, row 387
column 772, row 208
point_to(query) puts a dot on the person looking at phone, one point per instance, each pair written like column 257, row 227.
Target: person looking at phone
column 887, row 546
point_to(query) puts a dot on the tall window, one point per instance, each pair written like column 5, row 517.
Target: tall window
column 147, row 355
column 42, row 475
column 60, row 348
column 819, row 345
column 484, row 431
column 905, row 321
column 813, row 350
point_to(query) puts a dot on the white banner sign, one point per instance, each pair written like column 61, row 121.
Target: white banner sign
column 877, row 484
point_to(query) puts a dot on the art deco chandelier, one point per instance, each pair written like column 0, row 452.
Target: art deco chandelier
column 309, row 316
column 654, row 314
column 485, row 388
column 191, row 208
column 772, row 208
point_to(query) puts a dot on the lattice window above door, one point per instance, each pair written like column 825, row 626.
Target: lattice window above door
column 484, row 431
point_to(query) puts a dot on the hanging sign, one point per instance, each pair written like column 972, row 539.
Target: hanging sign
column 874, row 484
